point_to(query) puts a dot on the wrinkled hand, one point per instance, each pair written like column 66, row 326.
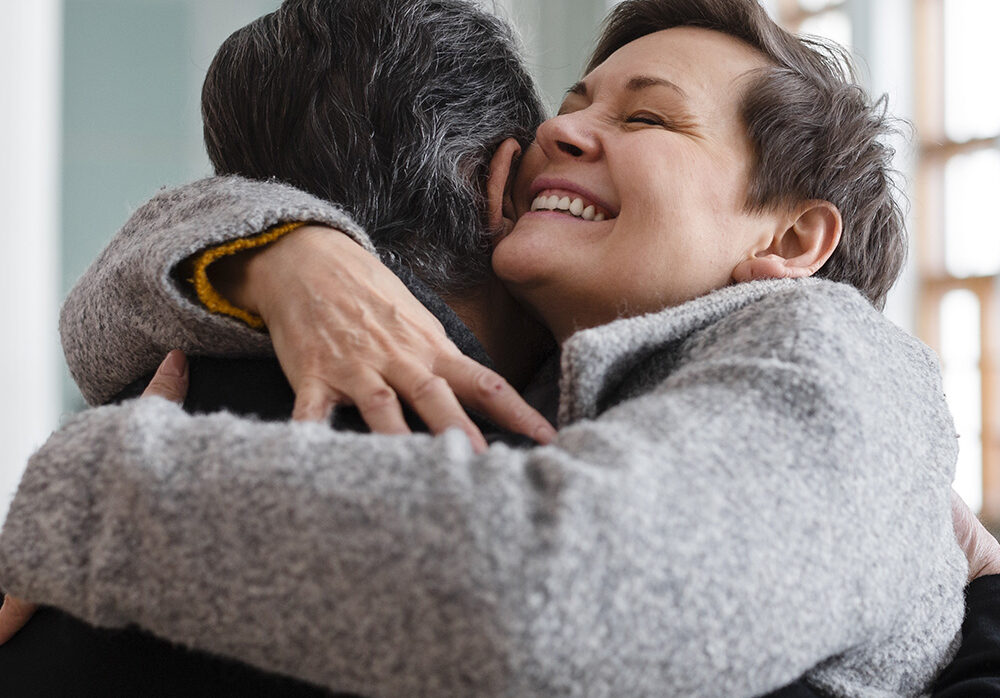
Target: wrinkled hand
column 979, row 545
column 347, row 331
column 170, row 382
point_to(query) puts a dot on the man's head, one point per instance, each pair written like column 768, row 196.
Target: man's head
column 815, row 133
column 391, row 108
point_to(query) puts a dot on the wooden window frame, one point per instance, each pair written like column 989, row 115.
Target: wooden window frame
column 927, row 193
column 933, row 280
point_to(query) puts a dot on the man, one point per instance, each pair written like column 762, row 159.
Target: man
column 452, row 87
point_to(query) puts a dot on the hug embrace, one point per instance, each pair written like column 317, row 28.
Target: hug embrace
column 748, row 492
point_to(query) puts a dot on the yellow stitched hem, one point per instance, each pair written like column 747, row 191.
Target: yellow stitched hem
column 209, row 296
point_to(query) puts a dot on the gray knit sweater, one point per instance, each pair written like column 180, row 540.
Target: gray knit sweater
column 745, row 488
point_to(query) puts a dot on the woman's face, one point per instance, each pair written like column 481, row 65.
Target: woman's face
column 651, row 156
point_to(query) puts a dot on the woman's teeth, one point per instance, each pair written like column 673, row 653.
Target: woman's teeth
column 574, row 207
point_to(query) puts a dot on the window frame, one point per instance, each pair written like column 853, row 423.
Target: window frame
column 935, row 150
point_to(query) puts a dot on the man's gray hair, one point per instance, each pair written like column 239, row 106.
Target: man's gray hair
column 391, row 108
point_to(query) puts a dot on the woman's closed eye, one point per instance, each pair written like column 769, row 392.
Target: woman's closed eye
column 645, row 118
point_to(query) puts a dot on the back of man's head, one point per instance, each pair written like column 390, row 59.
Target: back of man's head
column 391, row 108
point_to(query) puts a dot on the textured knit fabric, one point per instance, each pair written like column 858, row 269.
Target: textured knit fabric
column 745, row 488
column 129, row 299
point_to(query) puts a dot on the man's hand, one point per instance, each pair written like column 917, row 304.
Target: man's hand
column 13, row 615
column 981, row 548
column 170, row 382
column 171, row 379
column 347, row 331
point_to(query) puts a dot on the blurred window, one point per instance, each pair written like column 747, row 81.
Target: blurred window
column 823, row 18
column 956, row 239
column 957, row 234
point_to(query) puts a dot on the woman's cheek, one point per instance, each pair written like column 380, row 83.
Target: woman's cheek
column 517, row 259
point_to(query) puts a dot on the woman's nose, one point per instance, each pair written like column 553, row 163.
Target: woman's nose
column 569, row 135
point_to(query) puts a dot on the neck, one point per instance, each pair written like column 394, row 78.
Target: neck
column 515, row 341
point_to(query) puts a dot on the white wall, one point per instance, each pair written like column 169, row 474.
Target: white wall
column 29, row 200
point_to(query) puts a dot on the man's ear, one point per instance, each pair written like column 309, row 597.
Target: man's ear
column 499, row 205
column 799, row 248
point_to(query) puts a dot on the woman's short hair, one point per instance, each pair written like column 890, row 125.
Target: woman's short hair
column 391, row 108
column 815, row 133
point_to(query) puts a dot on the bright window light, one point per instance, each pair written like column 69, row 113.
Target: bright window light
column 972, row 231
column 834, row 25
column 972, row 55
column 963, row 389
column 816, row 5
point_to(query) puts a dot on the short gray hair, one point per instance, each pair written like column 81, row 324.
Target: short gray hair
column 391, row 108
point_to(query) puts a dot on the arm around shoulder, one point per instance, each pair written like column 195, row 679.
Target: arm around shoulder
column 732, row 525
column 132, row 306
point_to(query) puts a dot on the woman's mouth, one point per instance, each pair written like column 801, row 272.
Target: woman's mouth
column 569, row 203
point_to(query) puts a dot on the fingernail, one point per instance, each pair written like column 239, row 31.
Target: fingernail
column 545, row 434
column 174, row 364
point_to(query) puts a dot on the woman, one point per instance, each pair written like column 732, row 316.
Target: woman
column 749, row 398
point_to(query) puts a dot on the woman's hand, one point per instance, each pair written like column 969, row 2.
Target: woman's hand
column 981, row 548
column 347, row 331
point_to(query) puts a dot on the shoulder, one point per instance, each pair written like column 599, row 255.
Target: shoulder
column 816, row 322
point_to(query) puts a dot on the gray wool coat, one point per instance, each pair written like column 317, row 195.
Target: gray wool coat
column 745, row 488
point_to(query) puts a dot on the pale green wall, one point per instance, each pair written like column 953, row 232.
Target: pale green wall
column 132, row 81
column 558, row 36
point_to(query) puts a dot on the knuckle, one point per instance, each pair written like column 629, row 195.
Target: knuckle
column 489, row 385
column 161, row 388
column 317, row 385
column 428, row 386
column 377, row 399
column 521, row 420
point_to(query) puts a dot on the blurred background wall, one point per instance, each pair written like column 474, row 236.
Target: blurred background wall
column 100, row 110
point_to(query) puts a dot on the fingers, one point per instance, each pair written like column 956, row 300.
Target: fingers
column 377, row 403
column 432, row 398
column 438, row 399
column 980, row 547
column 429, row 395
column 171, row 378
column 14, row 614
column 488, row 393
column 314, row 401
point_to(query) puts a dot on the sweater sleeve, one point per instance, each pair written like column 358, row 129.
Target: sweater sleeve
column 741, row 525
column 132, row 305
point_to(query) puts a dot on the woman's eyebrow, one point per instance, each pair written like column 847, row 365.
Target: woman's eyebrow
column 636, row 83
column 642, row 82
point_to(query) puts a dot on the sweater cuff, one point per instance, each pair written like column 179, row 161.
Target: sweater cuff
column 207, row 293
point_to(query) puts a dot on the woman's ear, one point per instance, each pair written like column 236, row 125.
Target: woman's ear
column 799, row 248
column 499, row 205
